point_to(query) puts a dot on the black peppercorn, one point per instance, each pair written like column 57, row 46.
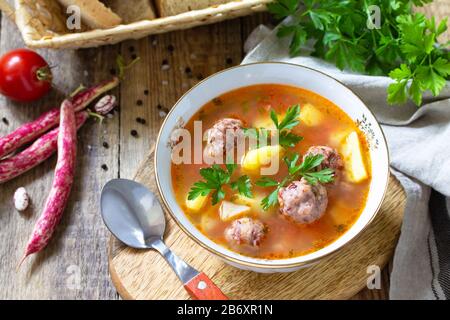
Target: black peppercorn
column 140, row 120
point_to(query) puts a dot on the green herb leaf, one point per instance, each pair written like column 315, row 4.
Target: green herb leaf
column 311, row 162
column 292, row 163
column 217, row 196
column 274, row 117
column 290, row 120
column 289, row 139
column 266, row 182
column 430, row 79
column 243, row 185
column 405, row 44
column 442, row 66
column 283, row 8
column 258, row 134
column 323, row 176
column 403, row 72
column 270, row 200
column 200, row 188
column 286, row 138
column 397, row 92
column 414, row 92
column 231, row 167
column 215, row 177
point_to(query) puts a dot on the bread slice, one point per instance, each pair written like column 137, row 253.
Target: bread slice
column 132, row 10
column 172, row 7
column 94, row 13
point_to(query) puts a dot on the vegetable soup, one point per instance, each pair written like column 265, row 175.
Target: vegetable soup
column 318, row 192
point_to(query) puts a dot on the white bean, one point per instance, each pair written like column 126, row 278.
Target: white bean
column 21, row 199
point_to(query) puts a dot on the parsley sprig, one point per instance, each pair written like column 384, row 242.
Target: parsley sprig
column 286, row 138
column 405, row 45
column 308, row 169
column 215, row 177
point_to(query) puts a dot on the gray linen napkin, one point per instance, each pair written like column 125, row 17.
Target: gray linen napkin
column 419, row 145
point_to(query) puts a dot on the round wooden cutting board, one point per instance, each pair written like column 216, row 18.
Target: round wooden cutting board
column 143, row 274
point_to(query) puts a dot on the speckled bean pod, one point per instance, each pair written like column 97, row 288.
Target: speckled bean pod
column 42, row 149
column 62, row 182
column 30, row 131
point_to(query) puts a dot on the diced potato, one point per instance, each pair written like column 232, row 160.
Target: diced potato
column 336, row 139
column 256, row 158
column 254, row 204
column 264, row 122
column 353, row 158
column 310, row 115
column 197, row 203
column 229, row 211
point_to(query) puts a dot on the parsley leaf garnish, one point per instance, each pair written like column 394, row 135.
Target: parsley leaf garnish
column 308, row 169
column 243, row 186
column 270, row 200
column 404, row 45
column 289, row 139
column 215, row 177
column 286, row 138
column 290, row 119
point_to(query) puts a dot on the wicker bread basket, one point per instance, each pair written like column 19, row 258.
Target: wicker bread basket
column 42, row 23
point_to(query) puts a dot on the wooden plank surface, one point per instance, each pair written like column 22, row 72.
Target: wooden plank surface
column 74, row 265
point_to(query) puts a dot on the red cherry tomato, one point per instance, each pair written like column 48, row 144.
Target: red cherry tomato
column 24, row 75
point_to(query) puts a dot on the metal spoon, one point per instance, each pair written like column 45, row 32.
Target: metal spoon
column 134, row 215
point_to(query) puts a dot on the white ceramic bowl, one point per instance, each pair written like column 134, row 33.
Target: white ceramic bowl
column 276, row 73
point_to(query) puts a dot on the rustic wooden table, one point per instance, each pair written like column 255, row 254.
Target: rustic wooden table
column 74, row 265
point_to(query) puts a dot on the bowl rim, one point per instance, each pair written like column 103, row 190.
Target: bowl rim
column 261, row 264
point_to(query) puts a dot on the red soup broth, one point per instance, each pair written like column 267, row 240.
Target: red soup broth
column 284, row 239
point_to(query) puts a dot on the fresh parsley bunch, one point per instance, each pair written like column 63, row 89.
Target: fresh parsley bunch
column 405, row 45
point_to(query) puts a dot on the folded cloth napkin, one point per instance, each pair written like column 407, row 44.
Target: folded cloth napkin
column 419, row 145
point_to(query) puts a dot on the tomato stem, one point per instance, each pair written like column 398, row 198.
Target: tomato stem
column 44, row 74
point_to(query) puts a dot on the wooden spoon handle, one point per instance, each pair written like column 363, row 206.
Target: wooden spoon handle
column 202, row 288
